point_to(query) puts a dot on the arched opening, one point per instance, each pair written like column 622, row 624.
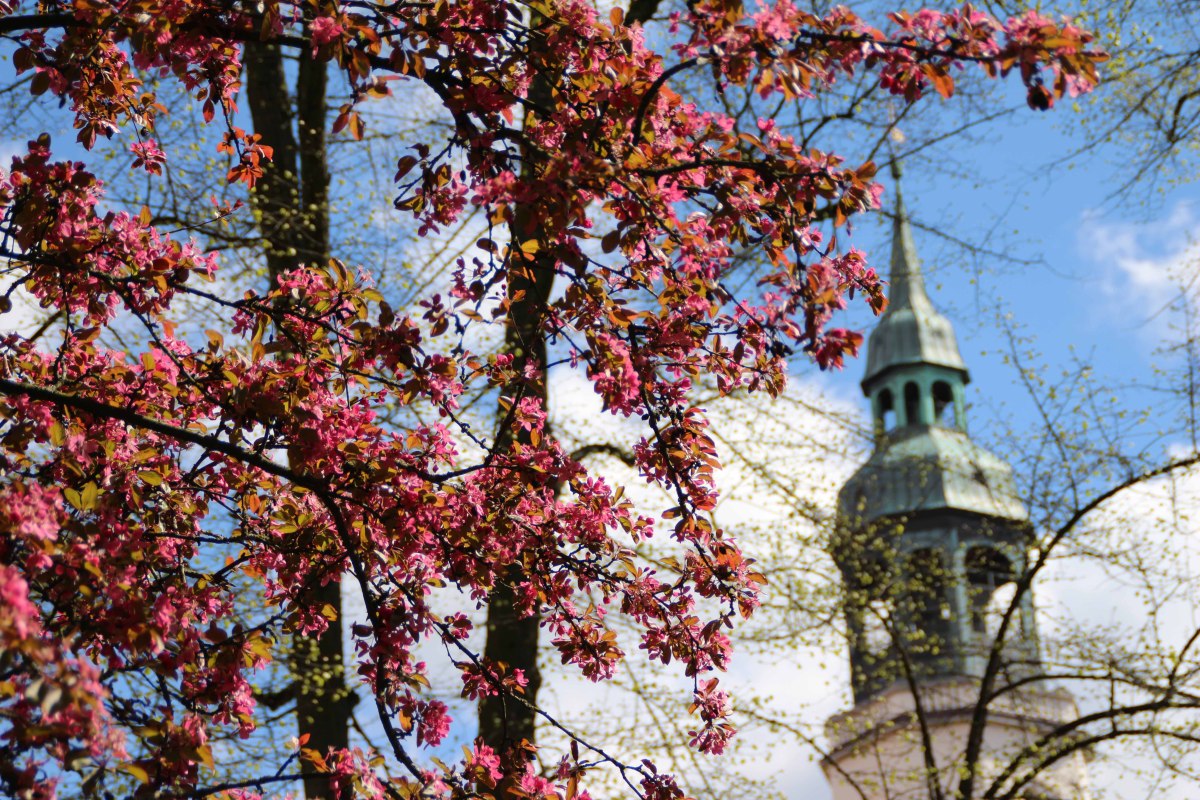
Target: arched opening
column 943, row 405
column 912, row 404
column 987, row 571
column 887, row 410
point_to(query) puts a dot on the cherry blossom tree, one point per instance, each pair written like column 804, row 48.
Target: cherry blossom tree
column 314, row 435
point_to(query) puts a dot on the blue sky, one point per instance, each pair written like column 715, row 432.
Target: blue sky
column 1098, row 277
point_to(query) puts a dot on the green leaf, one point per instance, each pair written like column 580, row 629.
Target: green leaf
column 88, row 496
column 151, row 477
column 136, row 771
column 73, row 497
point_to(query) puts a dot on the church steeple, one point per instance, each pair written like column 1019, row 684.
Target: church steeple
column 913, row 346
column 908, row 284
column 931, row 544
column 931, row 524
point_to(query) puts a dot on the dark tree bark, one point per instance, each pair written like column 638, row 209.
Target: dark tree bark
column 291, row 202
column 506, row 723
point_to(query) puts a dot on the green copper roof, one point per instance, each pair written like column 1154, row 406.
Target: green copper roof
column 911, row 331
column 923, row 460
column 927, row 469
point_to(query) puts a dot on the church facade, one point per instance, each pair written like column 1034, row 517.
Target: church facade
column 933, row 546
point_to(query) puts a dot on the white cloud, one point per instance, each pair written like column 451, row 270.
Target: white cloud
column 1144, row 266
column 25, row 316
column 1129, row 580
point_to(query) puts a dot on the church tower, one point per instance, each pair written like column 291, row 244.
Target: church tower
column 931, row 545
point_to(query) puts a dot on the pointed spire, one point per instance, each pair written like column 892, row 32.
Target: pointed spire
column 907, row 282
column 911, row 331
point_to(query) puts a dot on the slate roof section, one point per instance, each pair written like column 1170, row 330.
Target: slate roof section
column 930, row 469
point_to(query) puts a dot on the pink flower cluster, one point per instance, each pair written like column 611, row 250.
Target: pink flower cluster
column 169, row 512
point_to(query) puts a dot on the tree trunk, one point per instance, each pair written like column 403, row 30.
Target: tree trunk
column 505, row 723
column 508, row 724
column 291, row 202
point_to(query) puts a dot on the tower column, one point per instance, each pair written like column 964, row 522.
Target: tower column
column 960, row 406
column 926, row 389
column 962, row 601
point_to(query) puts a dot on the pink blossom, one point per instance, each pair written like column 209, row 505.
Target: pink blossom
column 484, row 758
column 148, row 156
column 19, row 618
column 325, row 30
column 435, row 723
